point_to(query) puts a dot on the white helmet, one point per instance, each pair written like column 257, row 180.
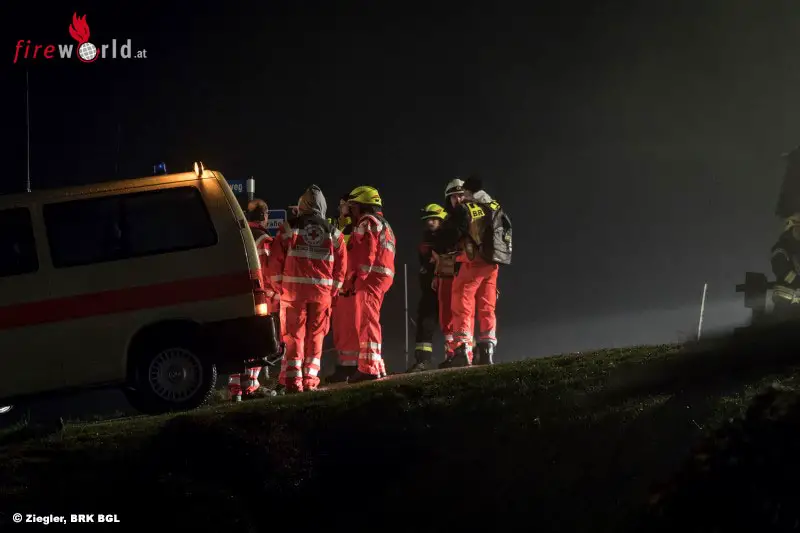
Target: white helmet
column 455, row 186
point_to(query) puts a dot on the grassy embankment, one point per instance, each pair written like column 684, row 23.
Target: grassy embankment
column 572, row 443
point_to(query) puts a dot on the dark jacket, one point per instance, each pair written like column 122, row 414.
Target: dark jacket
column 426, row 264
column 786, row 260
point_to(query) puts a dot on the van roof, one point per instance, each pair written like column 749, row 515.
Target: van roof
column 63, row 193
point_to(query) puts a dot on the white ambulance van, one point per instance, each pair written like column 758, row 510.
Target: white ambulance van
column 150, row 284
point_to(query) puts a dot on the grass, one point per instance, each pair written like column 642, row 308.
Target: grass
column 568, row 443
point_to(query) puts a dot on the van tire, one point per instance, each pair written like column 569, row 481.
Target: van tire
column 170, row 373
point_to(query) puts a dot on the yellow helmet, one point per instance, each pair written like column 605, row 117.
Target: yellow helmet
column 433, row 211
column 365, row 195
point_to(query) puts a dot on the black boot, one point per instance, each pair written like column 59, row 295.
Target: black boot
column 459, row 358
column 359, row 376
column 341, row 374
column 486, row 353
column 423, row 362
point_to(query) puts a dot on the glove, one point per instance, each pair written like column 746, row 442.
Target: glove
column 348, row 286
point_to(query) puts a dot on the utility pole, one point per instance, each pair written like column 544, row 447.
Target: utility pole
column 251, row 188
column 28, row 129
column 702, row 311
column 405, row 290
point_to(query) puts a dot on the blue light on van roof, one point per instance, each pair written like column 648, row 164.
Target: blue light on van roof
column 159, row 168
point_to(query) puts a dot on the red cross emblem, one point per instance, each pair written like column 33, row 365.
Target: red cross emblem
column 314, row 235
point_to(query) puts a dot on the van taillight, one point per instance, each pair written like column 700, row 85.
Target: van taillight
column 260, row 298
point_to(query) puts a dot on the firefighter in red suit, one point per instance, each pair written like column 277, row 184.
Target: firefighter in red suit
column 307, row 265
column 345, row 332
column 475, row 285
column 246, row 384
column 370, row 273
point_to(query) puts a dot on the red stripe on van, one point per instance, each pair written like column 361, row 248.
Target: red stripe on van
column 123, row 300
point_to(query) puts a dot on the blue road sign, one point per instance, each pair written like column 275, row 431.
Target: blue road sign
column 237, row 186
column 276, row 217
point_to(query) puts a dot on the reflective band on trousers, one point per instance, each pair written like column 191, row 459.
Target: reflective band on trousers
column 312, row 367
column 348, row 358
column 488, row 335
column 371, row 356
column 322, row 255
column 424, row 347
column 377, row 270
column 307, row 281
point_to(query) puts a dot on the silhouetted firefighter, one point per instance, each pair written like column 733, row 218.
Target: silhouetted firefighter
column 785, row 258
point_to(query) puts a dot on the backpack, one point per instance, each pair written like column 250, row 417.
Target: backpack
column 495, row 245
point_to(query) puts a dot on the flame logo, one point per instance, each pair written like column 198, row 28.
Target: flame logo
column 79, row 30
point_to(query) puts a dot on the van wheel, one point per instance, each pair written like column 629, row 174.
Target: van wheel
column 170, row 376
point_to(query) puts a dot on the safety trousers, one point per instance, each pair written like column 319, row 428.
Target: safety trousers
column 246, row 383
column 427, row 317
column 445, row 295
column 369, row 299
column 345, row 330
column 474, row 291
column 304, row 325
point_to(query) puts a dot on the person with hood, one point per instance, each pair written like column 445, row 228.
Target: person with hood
column 428, row 307
column 476, row 281
column 246, row 384
column 370, row 273
column 345, row 333
column 307, row 265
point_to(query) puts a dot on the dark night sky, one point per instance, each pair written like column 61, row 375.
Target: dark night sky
column 635, row 144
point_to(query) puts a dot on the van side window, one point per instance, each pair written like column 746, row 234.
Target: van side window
column 17, row 244
column 123, row 226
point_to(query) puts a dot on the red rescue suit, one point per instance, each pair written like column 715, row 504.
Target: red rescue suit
column 247, row 383
column 474, row 289
column 445, row 294
column 474, row 292
column 446, row 270
column 370, row 268
column 307, row 265
column 345, row 331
